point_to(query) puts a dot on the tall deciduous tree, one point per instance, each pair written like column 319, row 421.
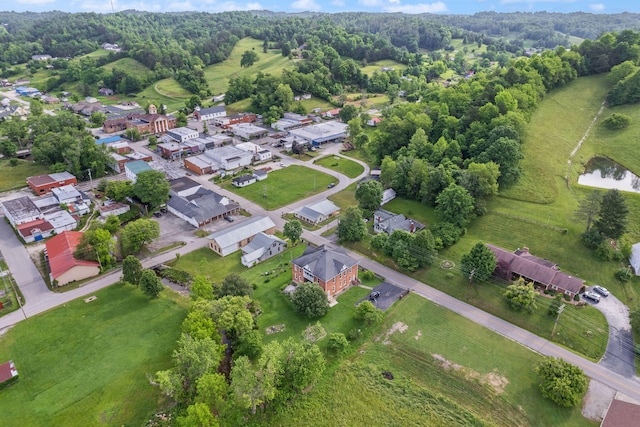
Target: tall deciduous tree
column 131, row 270
column 201, row 288
column 613, row 215
column 249, row 57
column 369, row 197
column 292, row 230
column 479, row 262
column 521, row 296
column 588, row 208
column 310, row 300
column 352, row 227
column 135, row 234
column 455, row 205
column 561, row 382
column 152, row 188
column 150, row 283
column 119, row 190
column 236, row 285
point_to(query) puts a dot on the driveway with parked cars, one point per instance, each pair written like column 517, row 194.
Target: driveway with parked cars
column 384, row 295
column 619, row 356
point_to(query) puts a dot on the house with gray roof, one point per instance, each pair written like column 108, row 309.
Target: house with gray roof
column 262, row 247
column 332, row 270
column 244, row 180
column 199, row 207
column 388, row 222
column 317, row 212
column 229, row 240
column 21, row 210
column 204, row 114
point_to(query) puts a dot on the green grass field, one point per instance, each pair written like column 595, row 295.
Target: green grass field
column 167, row 92
column 278, row 189
column 447, row 371
column 87, row 363
column 14, row 177
column 272, row 62
column 341, row 164
column 372, row 67
column 128, row 65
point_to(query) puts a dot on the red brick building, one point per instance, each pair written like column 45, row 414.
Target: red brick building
column 333, row 271
column 145, row 123
column 226, row 122
column 42, row 184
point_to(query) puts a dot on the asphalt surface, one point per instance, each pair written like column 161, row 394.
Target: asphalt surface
column 43, row 301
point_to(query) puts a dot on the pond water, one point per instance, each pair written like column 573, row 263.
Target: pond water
column 604, row 173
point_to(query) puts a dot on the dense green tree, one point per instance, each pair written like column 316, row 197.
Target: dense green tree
column 119, row 190
column 478, row 263
column 198, row 414
column 521, row 296
column 136, row 234
column 97, row 244
column 348, row 112
column 152, row 188
column 561, row 382
column 133, row 134
column 249, row 57
column 35, row 107
column 112, row 224
column 292, row 230
column 97, row 118
column 131, row 270
column 588, row 208
column 617, row 121
column 455, row 205
column 150, row 283
column 211, row 390
column 369, row 197
column 236, row 285
column 352, row 227
column 201, row 288
column 8, row 148
column 613, row 215
column 310, row 300
column 337, row 342
column 368, row 313
column 302, row 366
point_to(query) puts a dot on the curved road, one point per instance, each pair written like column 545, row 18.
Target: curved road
column 48, row 300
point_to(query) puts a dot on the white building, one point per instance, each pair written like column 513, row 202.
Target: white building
column 183, row 134
column 233, row 238
column 132, row 169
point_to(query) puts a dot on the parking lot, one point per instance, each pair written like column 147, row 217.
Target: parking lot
column 388, row 295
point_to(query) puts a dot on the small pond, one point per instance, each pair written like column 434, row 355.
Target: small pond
column 604, row 173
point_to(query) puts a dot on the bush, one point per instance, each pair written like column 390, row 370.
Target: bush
column 13, row 162
column 592, row 238
column 180, row 277
column 624, row 274
column 338, row 342
column 353, row 334
column 561, row 382
column 605, row 251
column 446, row 233
column 368, row 275
column 617, row 121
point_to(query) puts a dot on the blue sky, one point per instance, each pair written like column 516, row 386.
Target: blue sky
column 406, row 6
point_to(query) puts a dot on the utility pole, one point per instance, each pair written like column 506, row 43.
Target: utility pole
column 90, row 179
column 560, row 310
column 470, row 281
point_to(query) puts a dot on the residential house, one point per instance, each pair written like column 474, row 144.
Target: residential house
column 132, row 169
column 40, row 57
column 243, row 181
column 260, row 174
column 622, row 411
column 317, row 212
column 183, row 134
column 231, row 239
column 43, row 184
column 86, row 108
column 542, row 273
column 64, row 267
column 205, row 114
column 259, row 154
column 388, row 222
column 111, row 46
column 8, row 374
column 388, row 195
column 374, row 121
column 332, row 113
column 76, row 201
column 262, row 247
column 113, row 208
column 105, row 91
column 333, row 271
column 202, row 207
column 50, row 99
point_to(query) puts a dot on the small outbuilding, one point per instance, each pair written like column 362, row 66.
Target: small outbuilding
column 8, row 374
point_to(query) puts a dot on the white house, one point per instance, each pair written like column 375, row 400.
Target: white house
column 231, row 239
column 21, row 210
column 262, row 247
column 132, row 169
column 317, row 212
column 183, row 134
column 204, row 114
column 244, row 180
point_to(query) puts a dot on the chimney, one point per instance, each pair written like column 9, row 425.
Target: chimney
column 412, row 226
column 525, row 250
column 379, row 219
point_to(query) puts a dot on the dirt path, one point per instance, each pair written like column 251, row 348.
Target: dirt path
column 583, row 139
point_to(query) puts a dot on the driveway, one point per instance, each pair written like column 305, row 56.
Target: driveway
column 619, row 356
column 389, row 294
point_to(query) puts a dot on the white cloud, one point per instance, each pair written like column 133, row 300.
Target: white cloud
column 306, row 5
column 231, row 6
column 338, row 3
column 436, row 7
column 596, row 7
column 35, row 2
column 107, row 6
column 370, row 3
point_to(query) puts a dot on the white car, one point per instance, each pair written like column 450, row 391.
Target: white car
column 592, row 296
column 602, row 291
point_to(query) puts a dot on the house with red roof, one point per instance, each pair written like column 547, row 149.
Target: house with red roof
column 63, row 266
column 8, row 374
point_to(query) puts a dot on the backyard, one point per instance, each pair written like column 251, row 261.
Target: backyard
column 87, row 363
column 277, row 190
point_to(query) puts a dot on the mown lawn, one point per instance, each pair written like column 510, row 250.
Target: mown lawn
column 167, row 92
column 272, row 62
column 14, row 177
column 372, row 67
column 346, row 197
column 277, row 191
column 205, row 262
column 128, row 65
column 341, row 164
column 489, row 379
column 87, row 363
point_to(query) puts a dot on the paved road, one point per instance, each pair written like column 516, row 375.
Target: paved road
column 628, row 386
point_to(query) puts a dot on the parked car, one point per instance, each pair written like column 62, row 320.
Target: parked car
column 157, row 214
column 592, row 296
column 163, row 210
column 229, row 218
column 374, row 295
column 333, row 184
column 602, row 291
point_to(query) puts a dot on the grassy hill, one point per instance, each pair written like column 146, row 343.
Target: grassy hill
column 272, row 62
column 128, row 65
